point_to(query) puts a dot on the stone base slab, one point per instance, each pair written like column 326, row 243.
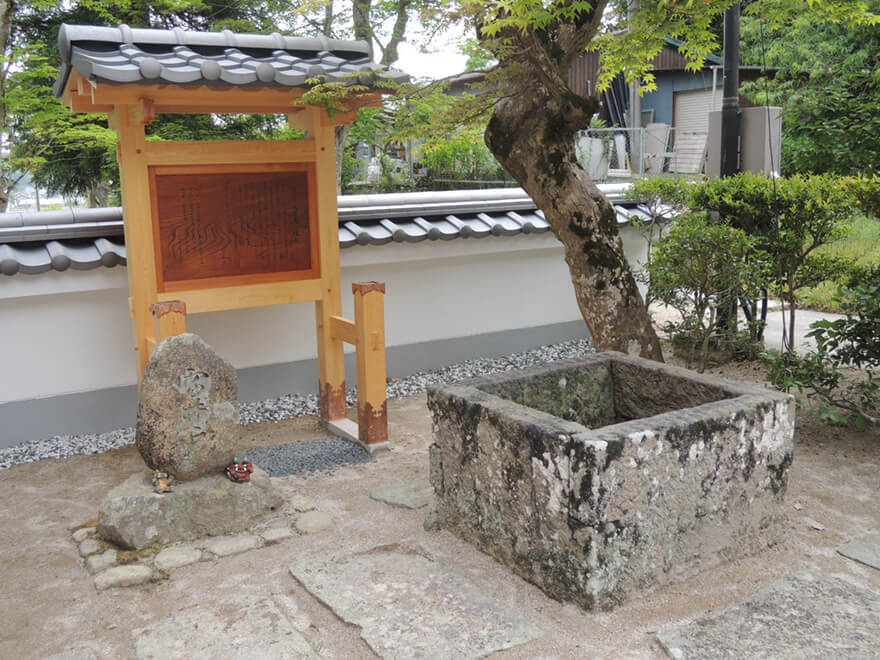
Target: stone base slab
column 802, row 616
column 243, row 627
column 409, row 606
column 133, row 516
column 864, row 549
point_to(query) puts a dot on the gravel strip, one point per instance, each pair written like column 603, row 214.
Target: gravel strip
column 321, row 454
column 294, row 405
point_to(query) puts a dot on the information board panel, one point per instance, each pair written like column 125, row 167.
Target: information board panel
column 228, row 225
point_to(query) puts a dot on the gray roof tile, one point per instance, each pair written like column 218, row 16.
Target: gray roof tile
column 81, row 239
column 126, row 55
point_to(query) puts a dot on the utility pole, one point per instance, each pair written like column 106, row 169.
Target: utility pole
column 635, row 109
column 730, row 111
column 727, row 322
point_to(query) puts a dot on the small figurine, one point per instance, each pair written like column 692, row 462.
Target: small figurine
column 162, row 482
column 240, row 471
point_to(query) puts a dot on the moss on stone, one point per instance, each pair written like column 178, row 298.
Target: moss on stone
column 88, row 524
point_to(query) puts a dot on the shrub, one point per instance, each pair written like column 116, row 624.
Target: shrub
column 461, row 157
column 850, row 341
column 789, row 219
column 695, row 267
column 865, row 191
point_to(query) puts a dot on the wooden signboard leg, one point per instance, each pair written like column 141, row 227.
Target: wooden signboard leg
column 128, row 121
column 171, row 316
column 331, row 364
column 369, row 320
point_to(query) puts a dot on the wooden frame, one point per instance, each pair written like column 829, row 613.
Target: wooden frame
column 158, row 307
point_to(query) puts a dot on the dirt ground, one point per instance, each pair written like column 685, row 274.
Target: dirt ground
column 50, row 605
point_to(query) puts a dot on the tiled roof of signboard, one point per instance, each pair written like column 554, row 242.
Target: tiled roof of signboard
column 138, row 55
column 83, row 239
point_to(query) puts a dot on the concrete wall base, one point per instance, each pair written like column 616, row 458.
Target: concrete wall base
column 103, row 410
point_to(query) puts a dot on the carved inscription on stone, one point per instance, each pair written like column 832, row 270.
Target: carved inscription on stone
column 196, row 410
column 221, row 225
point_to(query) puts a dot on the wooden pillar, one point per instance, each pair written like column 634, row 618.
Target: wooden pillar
column 369, row 321
column 171, row 316
column 128, row 121
column 331, row 364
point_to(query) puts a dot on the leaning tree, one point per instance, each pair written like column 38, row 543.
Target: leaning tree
column 536, row 115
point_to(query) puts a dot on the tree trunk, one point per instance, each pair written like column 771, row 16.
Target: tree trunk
column 327, row 27
column 398, row 32
column 341, row 136
column 7, row 13
column 360, row 15
column 532, row 136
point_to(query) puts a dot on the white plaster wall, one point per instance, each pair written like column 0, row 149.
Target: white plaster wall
column 69, row 332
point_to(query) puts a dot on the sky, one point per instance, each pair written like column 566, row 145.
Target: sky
column 443, row 58
column 439, row 64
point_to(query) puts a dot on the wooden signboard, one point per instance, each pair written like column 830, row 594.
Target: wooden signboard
column 228, row 225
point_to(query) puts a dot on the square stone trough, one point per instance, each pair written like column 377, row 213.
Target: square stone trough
column 600, row 477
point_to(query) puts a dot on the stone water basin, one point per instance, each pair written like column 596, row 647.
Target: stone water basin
column 600, row 477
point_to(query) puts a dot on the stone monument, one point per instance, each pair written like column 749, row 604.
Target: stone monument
column 187, row 427
column 187, row 421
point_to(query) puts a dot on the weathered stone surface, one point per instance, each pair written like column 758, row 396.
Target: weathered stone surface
column 313, row 522
column 595, row 515
column 410, row 495
column 240, row 628
column 177, row 556
column 81, row 535
column 578, row 395
column 123, row 576
column 276, row 534
column 77, row 653
column 802, row 616
column 187, row 421
column 133, row 516
column 864, row 549
column 89, row 547
column 223, row 546
column 409, row 606
column 302, row 503
column 101, row 562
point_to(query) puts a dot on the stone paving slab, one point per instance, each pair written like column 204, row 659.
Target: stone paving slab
column 176, row 557
column 805, row 616
column 409, row 606
column 242, row 628
column 864, row 549
column 410, row 494
column 123, row 576
column 223, row 546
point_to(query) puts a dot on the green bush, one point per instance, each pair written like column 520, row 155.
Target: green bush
column 850, row 341
column 789, row 219
column 865, row 191
column 461, row 157
column 665, row 198
column 696, row 267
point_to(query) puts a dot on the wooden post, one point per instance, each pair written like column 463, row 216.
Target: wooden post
column 369, row 320
column 128, row 121
column 331, row 364
column 171, row 316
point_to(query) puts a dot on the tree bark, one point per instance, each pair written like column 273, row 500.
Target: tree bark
column 7, row 13
column 327, row 27
column 341, row 137
column 360, row 15
column 398, row 32
column 532, row 135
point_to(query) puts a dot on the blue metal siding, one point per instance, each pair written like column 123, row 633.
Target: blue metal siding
column 661, row 100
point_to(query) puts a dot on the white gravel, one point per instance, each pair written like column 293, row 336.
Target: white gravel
column 293, row 405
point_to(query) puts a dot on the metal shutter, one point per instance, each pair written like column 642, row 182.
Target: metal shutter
column 692, row 110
